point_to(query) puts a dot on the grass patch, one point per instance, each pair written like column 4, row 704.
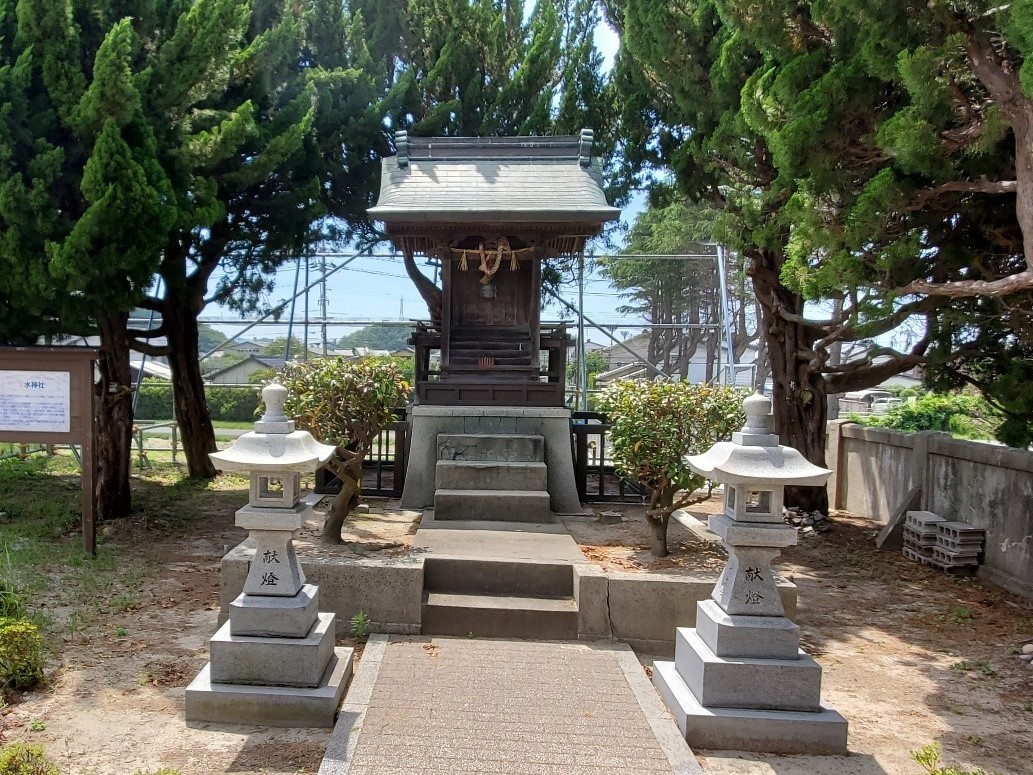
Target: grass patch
column 42, row 561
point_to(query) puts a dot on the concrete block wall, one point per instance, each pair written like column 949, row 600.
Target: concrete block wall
column 988, row 485
column 389, row 592
column 642, row 609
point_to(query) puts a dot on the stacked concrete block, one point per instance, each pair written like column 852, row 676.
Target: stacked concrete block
column 739, row 679
column 920, row 534
column 950, row 545
column 495, row 477
column 273, row 662
column 958, row 544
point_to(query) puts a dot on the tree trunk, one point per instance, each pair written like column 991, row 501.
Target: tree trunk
column 799, row 397
column 658, row 517
column 658, row 536
column 192, row 414
column 114, row 418
column 760, row 371
column 349, row 470
column 429, row 291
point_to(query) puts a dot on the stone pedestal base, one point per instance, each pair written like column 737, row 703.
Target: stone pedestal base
column 429, row 421
column 243, row 659
column 275, row 617
column 756, row 637
column 761, row 702
column 271, row 706
column 740, row 729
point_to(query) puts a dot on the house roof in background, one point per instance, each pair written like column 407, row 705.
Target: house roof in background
column 261, row 360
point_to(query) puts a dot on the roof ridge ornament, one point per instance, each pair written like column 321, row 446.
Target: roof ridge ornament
column 402, row 147
column 585, row 147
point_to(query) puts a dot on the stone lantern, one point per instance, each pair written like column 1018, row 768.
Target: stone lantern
column 739, row 679
column 274, row 661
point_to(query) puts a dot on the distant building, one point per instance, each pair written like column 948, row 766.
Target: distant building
column 632, row 365
column 240, row 373
column 239, row 347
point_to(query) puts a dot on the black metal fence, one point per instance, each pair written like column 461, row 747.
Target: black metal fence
column 594, row 473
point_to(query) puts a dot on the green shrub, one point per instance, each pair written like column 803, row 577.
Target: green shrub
column 360, row 624
column 344, row 403
column 21, row 654
column 966, row 416
column 22, row 759
column 653, row 425
column 224, row 403
column 929, row 758
column 236, row 404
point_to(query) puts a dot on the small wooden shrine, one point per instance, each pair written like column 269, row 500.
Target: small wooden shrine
column 490, row 211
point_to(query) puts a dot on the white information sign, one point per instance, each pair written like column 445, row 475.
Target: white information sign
column 36, row 401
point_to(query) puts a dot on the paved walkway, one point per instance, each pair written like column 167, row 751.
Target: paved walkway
column 452, row 706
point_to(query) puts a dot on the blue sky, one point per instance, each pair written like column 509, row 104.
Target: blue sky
column 377, row 288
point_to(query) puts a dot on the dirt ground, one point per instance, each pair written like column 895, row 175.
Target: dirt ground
column 910, row 656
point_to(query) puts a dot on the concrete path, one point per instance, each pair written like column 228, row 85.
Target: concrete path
column 451, row 706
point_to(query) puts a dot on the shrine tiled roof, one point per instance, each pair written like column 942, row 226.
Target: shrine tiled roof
column 515, row 179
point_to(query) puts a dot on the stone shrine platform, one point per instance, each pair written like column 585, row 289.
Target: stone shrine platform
column 441, row 706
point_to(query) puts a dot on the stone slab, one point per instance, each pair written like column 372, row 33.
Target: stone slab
column 498, row 577
column 764, row 684
column 590, row 594
column 491, row 475
column 490, row 447
column 492, row 505
column 275, row 617
column 759, row 534
column 756, row 637
column 252, row 518
column 891, row 537
column 786, row 732
column 498, row 541
column 272, row 706
column 240, row 659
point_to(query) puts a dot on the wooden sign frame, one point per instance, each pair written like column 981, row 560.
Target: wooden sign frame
column 77, row 362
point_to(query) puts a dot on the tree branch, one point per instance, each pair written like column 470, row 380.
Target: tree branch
column 981, row 186
column 1005, row 286
column 148, row 349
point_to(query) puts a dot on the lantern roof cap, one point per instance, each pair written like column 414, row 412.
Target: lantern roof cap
column 754, row 455
column 274, row 446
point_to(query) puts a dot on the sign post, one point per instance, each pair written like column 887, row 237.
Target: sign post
column 46, row 396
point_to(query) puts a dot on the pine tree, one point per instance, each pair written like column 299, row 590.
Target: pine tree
column 684, row 291
column 185, row 135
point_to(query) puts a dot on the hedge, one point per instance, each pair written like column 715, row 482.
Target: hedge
column 224, row 403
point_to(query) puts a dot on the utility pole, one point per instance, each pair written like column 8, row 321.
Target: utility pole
column 304, row 353
column 582, row 360
column 723, row 284
column 322, row 299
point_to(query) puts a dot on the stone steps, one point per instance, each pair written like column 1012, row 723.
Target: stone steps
column 493, row 505
column 499, row 616
column 491, row 475
column 498, row 577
